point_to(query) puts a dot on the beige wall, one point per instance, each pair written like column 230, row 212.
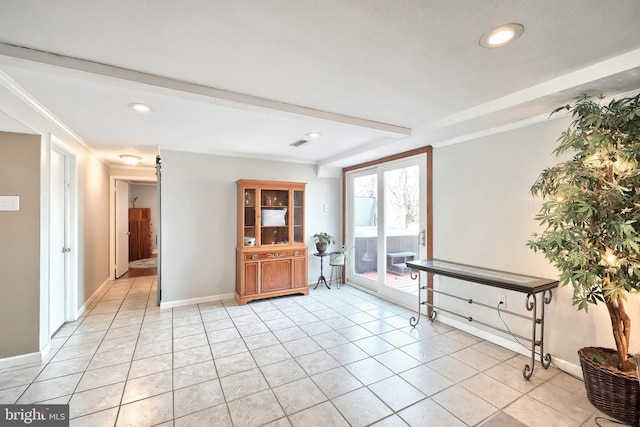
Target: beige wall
column 483, row 215
column 199, row 218
column 19, row 244
column 93, row 224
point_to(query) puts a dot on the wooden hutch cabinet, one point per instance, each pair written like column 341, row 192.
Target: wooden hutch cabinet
column 271, row 257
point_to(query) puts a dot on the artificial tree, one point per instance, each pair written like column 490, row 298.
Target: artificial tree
column 591, row 212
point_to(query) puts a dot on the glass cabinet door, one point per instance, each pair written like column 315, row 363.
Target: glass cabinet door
column 274, row 205
column 298, row 216
column 249, row 217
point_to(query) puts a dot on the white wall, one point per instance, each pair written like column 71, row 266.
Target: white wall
column 483, row 215
column 199, row 218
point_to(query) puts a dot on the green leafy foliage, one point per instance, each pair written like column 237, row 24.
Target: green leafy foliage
column 591, row 208
column 324, row 238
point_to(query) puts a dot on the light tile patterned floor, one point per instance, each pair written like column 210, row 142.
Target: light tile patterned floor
column 338, row 357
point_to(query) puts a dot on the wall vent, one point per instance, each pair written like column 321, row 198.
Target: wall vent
column 298, row 142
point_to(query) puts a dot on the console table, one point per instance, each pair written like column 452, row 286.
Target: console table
column 532, row 287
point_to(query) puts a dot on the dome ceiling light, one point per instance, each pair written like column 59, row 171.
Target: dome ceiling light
column 130, row 159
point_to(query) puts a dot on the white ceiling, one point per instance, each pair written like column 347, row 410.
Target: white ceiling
column 247, row 78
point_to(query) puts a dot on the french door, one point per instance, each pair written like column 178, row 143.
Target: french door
column 386, row 225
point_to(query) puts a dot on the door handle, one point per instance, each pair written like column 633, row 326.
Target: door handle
column 64, row 250
column 423, row 238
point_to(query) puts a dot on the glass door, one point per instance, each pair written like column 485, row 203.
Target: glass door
column 274, row 227
column 404, row 207
column 363, row 242
column 386, row 226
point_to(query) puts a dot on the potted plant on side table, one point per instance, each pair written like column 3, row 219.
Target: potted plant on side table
column 591, row 220
column 322, row 241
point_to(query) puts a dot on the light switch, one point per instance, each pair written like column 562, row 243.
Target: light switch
column 9, row 203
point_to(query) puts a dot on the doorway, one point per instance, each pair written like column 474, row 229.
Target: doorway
column 121, row 265
column 143, row 230
column 386, row 225
column 122, row 228
column 62, row 237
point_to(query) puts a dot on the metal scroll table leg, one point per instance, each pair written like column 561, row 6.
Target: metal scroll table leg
column 545, row 358
column 414, row 321
column 532, row 305
column 415, row 274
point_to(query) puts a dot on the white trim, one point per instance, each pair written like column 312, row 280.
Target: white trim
column 592, row 73
column 568, row 367
column 41, row 111
column 530, row 121
column 24, row 359
column 191, row 301
column 71, row 289
column 44, row 336
column 95, row 295
column 561, row 364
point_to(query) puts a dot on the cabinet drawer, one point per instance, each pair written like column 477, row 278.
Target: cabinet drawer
column 260, row 256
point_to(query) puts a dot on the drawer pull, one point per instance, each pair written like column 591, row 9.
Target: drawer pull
column 254, row 256
column 276, row 255
column 296, row 253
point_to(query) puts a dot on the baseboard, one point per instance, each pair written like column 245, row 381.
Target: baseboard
column 22, row 359
column 563, row 365
column 98, row 292
column 200, row 300
column 568, row 367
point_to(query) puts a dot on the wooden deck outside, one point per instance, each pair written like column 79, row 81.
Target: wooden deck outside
column 402, row 283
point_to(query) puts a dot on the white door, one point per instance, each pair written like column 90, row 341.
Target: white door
column 159, row 236
column 58, row 247
column 122, row 228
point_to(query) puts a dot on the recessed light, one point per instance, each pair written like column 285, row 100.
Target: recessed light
column 140, row 108
column 313, row 134
column 130, row 159
column 501, row 35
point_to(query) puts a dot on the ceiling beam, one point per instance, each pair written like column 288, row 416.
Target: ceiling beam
column 221, row 96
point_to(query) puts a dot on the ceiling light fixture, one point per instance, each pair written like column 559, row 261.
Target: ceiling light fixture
column 313, row 134
column 130, row 159
column 140, row 108
column 501, row 35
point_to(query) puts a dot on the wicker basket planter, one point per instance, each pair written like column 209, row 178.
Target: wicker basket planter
column 614, row 393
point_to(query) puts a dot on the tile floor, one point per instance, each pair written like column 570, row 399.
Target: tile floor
column 338, row 357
